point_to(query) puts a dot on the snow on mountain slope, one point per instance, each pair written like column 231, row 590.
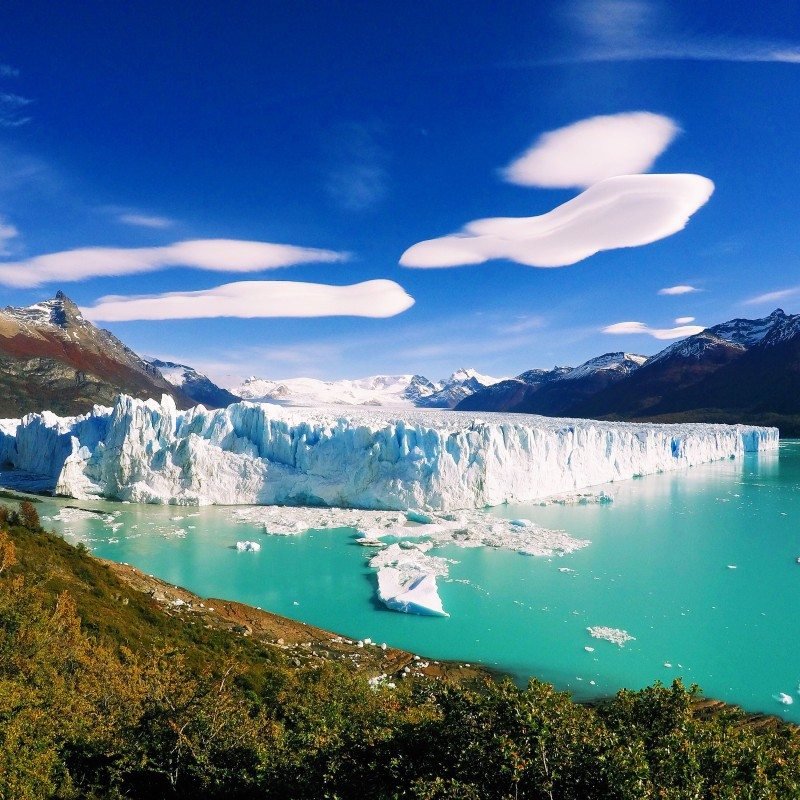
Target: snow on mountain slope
column 146, row 451
column 394, row 391
column 378, row 390
column 695, row 348
column 749, row 332
column 451, row 391
column 622, row 363
column 194, row 384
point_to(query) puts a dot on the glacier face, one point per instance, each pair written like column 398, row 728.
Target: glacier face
column 145, row 451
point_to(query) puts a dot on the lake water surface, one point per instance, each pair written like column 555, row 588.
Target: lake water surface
column 660, row 566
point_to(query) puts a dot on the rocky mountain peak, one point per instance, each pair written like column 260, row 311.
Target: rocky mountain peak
column 63, row 311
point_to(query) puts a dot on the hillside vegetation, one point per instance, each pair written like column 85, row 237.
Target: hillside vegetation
column 103, row 695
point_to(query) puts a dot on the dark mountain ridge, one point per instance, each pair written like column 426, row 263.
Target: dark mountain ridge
column 742, row 370
column 52, row 358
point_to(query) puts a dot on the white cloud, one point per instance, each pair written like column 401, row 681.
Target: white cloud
column 146, row 221
column 623, row 328
column 7, row 232
column 248, row 299
column 221, row 255
column 592, row 149
column 680, row 289
column 625, row 211
column 683, row 320
column 7, row 71
column 772, row 297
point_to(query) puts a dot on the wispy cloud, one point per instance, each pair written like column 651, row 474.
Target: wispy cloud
column 626, row 328
column 772, row 297
column 644, row 30
column 7, row 71
column 7, row 233
column 146, row 221
column 683, row 320
column 679, row 289
column 522, row 325
column 625, row 211
column 357, row 177
column 12, row 110
column 590, row 150
column 218, row 255
column 24, row 175
column 251, row 299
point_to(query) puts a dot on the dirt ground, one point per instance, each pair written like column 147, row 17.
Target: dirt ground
column 302, row 643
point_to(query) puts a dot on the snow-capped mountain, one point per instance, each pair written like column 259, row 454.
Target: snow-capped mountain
column 200, row 388
column 451, row 391
column 392, row 391
column 617, row 363
column 52, row 358
column 553, row 392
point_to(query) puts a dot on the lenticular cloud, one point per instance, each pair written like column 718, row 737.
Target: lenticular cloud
column 623, row 328
column 220, row 255
column 592, row 150
column 624, row 211
column 249, row 299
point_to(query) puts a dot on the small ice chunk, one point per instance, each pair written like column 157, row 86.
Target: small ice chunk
column 248, row 547
column 784, row 698
column 731, row 566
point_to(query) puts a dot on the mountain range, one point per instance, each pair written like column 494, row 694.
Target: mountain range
column 743, row 370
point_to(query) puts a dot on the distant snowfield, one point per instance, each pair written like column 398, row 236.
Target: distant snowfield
column 251, row 453
column 388, row 391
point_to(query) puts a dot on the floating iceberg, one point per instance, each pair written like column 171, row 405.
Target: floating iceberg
column 407, row 579
column 145, row 451
column 419, row 595
column 248, row 547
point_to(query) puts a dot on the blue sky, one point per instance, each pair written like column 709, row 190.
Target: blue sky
column 352, row 131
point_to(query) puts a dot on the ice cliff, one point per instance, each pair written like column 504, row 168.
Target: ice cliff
column 145, row 451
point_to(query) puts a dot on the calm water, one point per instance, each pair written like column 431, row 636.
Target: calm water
column 658, row 567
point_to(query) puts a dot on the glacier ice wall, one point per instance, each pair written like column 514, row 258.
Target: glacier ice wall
column 145, row 451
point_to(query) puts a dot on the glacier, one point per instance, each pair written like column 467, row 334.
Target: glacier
column 252, row 453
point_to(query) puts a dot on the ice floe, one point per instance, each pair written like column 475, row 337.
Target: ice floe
column 406, row 538
column 614, row 635
column 248, row 547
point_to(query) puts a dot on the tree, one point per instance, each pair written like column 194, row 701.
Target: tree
column 29, row 516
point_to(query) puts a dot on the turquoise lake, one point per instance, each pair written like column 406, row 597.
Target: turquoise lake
column 660, row 566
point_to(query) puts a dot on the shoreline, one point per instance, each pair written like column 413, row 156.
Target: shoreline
column 307, row 644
